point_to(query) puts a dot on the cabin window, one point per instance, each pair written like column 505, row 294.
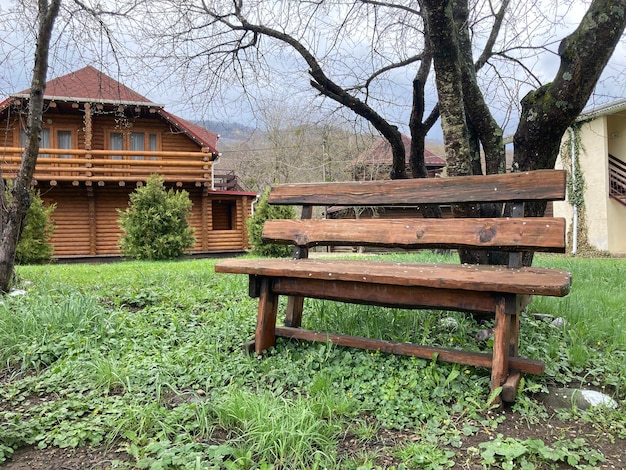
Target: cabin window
column 116, row 142
column 153, row 143
column 44, row 140
column 223, row 215
column 64, row 141
column 135, row 141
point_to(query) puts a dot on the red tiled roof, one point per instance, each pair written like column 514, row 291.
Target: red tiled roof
column 380, row 154
column 90, row 84
column 196, row 132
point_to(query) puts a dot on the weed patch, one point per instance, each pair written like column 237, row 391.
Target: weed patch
column 146, row 358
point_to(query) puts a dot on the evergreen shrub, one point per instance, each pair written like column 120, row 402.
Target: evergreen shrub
column 155, row 224
column 34, row 246
column 263, row 212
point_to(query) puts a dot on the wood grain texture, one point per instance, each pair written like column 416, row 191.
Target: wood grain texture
column 506, row 234
column 546, row 185
column 383, row 295
column 265, row 335
column 528, row 280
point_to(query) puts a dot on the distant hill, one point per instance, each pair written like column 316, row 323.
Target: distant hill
column 228, row 131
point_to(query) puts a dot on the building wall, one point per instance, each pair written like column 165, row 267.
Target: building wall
column 86, row 219
column 71, row 220
column 616, row 129
column 594, row 165
column 605, row 218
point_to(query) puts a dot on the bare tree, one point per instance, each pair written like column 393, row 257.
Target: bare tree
column 547, row 111
column 293, row 148
column 13, row 213
column 359, row 54
column 369, row 55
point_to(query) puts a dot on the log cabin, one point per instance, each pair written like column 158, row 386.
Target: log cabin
column 100, row 141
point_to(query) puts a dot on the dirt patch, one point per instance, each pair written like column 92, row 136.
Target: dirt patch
column 53, row 458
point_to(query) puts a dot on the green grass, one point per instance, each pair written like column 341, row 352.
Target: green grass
column 146, row 357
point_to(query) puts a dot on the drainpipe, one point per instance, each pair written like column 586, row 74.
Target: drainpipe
column 253, row 204
column 575, row 207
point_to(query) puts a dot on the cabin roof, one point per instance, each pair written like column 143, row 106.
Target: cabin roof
column 90, row 85
column 379, row 153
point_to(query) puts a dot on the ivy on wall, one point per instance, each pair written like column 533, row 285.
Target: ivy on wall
column 570, row 152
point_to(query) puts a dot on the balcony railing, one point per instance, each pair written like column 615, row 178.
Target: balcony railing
column 226, row 181
column 103, row 166
column 617, row 179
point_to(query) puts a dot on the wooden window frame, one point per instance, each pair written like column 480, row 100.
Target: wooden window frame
column 54, row 141
column 126, row 140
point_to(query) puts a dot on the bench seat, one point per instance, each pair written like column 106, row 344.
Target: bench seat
column 471, row 277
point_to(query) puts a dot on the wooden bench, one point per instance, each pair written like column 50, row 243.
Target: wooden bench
column 500, row 292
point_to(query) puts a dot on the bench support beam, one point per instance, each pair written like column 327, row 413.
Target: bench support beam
column 468, row 358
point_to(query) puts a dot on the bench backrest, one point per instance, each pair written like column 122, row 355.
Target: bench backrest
column 503, row 234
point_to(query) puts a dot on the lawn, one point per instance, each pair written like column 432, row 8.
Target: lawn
column 143, row 363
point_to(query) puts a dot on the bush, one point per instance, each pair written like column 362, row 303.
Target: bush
column 33, row 246
column 155, row 224
column 263, row 212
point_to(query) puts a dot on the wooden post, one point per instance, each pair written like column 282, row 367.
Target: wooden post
column 265, row 336
column 88, row 128
column 93, row 229
column 510, row 386
column 501, row 341
column 295, row 304
column 204, row 219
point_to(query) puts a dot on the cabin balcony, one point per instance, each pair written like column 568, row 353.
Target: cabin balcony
column 119, row 167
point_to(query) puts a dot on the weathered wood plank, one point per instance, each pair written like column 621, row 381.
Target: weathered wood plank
column 546, row 185
column 265, row 335
column 501, row 340
column 426, row 352
column 384, row 295
column 506, row 234
column 481, row 278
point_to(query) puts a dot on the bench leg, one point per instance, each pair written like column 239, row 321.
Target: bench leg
column 265, row 335
column 293, row 318
column 509, row 388
column 501, row 345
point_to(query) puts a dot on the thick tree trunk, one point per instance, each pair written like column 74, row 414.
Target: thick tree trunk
column 418, row 128
column 548, row 111
column 14, row 214
column 483, row 125
column 448, row 77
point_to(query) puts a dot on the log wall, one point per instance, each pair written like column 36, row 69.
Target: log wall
column 86, row 219
column 71, row 218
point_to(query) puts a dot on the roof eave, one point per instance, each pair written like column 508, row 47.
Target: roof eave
column 147, row 104
column 603, row 110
